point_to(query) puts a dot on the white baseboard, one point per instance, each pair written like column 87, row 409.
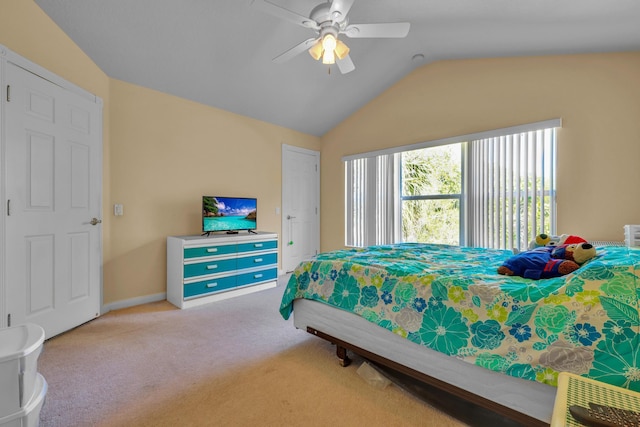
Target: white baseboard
column 133, row 302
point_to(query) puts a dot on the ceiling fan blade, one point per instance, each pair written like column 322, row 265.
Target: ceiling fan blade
column 345, row 65
column 297, row 49
column 285, row 14
column 388, row 30
column 340, row 8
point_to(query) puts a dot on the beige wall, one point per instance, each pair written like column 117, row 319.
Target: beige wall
column 161, row 154
column 166, row 154
column 597, row 96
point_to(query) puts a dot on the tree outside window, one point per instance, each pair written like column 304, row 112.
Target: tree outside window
column 431, row 194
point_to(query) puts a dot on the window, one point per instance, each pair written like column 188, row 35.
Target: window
column 493, row 189
column 432, row 194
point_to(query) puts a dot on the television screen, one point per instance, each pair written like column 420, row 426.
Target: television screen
column 228, row 213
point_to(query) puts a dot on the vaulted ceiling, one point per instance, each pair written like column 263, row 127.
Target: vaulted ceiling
column 219, row 53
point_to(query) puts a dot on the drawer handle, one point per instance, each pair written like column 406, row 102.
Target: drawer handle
column 257, row 276
column 212, row 285
column 212, row 266
column 210, row 250
column 257, row 245
column 257, row 260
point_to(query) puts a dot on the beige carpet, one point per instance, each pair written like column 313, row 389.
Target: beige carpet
column 230, row 363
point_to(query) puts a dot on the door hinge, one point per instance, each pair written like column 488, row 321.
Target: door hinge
column 8, row 320
column 8, row 207
column 8, row 93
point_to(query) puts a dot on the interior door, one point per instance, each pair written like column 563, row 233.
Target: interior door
column 53, row 146
column 300, row 205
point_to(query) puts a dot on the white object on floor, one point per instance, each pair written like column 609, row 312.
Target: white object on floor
column 29, row 415
column 372, row 376
column 20, row 347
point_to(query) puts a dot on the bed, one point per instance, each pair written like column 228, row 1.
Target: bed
column 444, row 316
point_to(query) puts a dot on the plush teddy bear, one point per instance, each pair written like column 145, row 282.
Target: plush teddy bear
column 577, row 252
column 549, row 240
column 537, row 264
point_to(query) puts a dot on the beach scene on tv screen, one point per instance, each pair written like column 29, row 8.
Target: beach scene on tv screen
column 228, row 213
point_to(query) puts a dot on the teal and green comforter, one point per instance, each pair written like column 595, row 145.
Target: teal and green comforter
column 451, row 299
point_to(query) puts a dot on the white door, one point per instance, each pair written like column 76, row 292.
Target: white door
column 53, row 146
column 300, row 205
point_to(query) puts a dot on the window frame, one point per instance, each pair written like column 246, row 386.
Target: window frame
column 464, row 199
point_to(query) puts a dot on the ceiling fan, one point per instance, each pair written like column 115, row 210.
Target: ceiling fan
column 329, row 20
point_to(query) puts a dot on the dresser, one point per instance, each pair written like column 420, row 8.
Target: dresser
column 203, row 269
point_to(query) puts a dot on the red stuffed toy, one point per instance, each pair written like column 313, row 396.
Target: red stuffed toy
column 549, row 240
column 570, row 239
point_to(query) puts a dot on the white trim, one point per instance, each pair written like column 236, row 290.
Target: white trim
column 132, row 302
column 300, row 149
column 3, row 196
column 545, row 124
column 36, row 69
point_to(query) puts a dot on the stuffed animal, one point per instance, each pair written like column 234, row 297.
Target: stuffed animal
column 537, row 264
column 549, row 240
column 577, row 252
column 543, row 240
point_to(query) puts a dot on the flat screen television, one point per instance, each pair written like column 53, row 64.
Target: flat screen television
column 230, row 214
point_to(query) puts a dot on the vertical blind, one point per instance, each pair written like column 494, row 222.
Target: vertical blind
column 372, row 200
column 512, row 189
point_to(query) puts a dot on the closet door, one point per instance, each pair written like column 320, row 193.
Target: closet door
column 53, row 147
column 300, row 205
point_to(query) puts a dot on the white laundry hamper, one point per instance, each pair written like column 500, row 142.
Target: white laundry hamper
column 29, row 415
column 20, row 347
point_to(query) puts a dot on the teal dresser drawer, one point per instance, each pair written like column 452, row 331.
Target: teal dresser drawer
column 210, row 267
column 206, row 251
column 257, row 246
column 257, row 261
column 257, row 276
column 209, row 286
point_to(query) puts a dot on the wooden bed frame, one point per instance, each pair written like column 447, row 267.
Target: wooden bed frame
column 472, row 390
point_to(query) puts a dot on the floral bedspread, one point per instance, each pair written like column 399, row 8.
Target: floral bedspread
column 451, row 299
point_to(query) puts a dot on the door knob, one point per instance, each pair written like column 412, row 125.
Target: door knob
column 95, row 221
column 290, row 217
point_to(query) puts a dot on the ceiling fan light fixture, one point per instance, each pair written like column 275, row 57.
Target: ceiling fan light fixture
column 341, row 50
column 328, row 57
column 329, row 42
column 316, row 51
column 328, row 48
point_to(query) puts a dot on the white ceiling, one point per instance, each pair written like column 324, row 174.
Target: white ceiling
column 218, row 52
